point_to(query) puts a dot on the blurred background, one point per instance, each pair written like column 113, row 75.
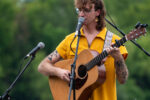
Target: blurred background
column 24, row 23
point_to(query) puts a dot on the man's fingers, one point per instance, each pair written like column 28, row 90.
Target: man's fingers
column 67, row 78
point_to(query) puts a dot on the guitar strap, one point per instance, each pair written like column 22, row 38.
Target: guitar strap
column 107, row 42
column 108, row 39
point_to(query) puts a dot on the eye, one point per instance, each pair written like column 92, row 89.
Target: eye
column 79, row 9
column 87, row 10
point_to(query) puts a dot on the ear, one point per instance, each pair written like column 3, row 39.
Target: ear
column 98, row 12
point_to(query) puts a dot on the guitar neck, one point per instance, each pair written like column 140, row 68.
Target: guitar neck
column 104, row 54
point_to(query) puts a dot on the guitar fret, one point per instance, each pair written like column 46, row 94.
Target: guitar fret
column 96, row 60
column 102, row 55
column 105, row 53
column 120, row 42
column 123, row 40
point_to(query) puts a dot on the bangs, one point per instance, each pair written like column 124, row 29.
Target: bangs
column 81, row 4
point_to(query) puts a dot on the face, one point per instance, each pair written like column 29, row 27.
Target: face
column 89, row 14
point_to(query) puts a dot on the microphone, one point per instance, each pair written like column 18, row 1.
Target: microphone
column 79, row 25
column 34, row 50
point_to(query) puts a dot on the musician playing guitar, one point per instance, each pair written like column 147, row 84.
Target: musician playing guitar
column 93, row 36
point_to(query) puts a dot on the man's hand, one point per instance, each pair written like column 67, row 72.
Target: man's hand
column 63, row 74
column 114, row 52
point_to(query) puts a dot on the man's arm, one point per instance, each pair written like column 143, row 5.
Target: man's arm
column 46, row 67
column 121, row 68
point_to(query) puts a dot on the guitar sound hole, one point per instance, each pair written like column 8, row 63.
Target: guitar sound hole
column 82, row 71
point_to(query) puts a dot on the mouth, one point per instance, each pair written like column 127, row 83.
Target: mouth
column 84, row 21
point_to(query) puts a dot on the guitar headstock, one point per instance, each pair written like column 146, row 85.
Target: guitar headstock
column 140, row 29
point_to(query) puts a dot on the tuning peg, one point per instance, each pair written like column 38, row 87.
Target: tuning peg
column 137, row 25
column 144, row 25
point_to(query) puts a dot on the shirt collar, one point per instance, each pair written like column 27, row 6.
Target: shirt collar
column 101, row 34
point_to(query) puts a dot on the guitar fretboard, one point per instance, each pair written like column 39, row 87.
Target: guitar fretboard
column 100, row 57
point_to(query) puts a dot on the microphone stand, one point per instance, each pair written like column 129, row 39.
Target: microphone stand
column 72, row 76
column 148, row 54
column 6, row 96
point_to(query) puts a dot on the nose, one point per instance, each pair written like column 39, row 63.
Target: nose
column 81, row 14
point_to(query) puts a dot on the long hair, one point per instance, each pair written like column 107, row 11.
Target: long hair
column 99, row 5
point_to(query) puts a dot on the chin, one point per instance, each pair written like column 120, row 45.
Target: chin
column 85, row 23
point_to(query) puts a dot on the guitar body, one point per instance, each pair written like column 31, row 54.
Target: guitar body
column 84, row 85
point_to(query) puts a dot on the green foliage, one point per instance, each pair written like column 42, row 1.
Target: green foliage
column 49, row 21
column 6, row 22
column 130, row 91
column 7, row 33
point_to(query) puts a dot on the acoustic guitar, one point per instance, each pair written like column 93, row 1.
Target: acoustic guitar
column 87, row 78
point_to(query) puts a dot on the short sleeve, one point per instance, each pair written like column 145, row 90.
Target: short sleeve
column 62, row 49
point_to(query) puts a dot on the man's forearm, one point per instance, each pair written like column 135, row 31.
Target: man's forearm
column 46, row 67
column 121, row 70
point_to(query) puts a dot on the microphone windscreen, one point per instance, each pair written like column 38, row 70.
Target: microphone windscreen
column 41, row 45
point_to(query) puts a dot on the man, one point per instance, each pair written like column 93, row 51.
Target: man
column 93, row 33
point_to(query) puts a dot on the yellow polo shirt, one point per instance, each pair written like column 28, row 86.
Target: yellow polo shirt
column 106, row 91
